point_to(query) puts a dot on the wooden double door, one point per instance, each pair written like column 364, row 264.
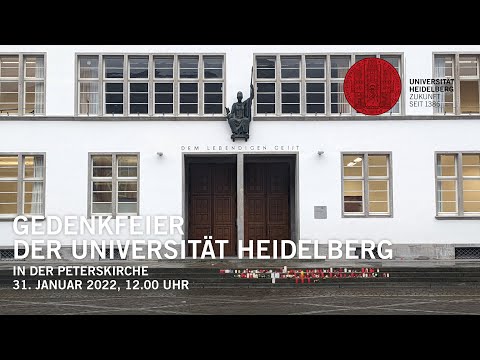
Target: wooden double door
column 212, row 202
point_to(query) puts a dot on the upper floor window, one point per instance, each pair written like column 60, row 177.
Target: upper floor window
column 395, row 61
column 307, row 85
column 22, row 84
column 464, row 70
column 339, row 66
column 458, row 184
column 150, row 85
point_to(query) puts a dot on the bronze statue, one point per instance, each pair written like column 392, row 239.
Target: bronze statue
column 241, row 115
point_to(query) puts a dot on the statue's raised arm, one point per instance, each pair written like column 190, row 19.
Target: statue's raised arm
column 252, row 89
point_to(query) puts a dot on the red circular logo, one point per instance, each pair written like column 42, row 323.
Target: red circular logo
column 372, row 86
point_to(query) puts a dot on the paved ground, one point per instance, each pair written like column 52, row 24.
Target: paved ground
column 454, row 300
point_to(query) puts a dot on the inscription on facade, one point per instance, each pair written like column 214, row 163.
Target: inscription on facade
column 239, row 148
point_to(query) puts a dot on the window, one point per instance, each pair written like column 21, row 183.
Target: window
column 138, row 85
column 138, row 98
column 114, row 184
column 469, row 84
column 113, row 82
column 315, row 84
column 290, row 98
column 18, row 70
column 213, row 67
column 395, row 61
column 150, row 85
column 22, row 182
column 163, row 67
column 164, row 84
column 458, row 184
column 290, row 67
column 188, row 98
column 188, row 67
column 164, row 98
column 213, row 89
column 213, row 102
column 339, row 66
column 266, row 67
column 463, row 70
column 308, row 84
column 88, row 85
column 290, row 84
column 138, row 67
column 366, row 184
column 443, row 69
column 265, row 98
column 265, row 94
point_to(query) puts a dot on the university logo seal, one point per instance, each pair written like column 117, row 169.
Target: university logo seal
column 372, row 86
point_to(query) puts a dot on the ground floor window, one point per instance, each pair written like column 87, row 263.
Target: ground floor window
column 366, row 184
column 113, row 184
column 22, row 182
column 458, row 184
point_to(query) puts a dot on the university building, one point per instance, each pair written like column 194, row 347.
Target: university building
column 143, row 130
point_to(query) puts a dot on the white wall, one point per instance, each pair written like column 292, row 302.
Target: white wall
column 412, row 142
column 60, row 88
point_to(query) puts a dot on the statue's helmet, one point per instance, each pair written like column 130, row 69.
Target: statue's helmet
column 239, row 95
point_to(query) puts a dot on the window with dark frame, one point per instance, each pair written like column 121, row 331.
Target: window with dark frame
column 308, row 84
column 290, row 84
column 172, row 88
column 164, row 83
column 188, row 90
column 213, row 85
column 113, row 84
column 315, row 84
column 188, row 98
column 138, row 85
column 339, row 66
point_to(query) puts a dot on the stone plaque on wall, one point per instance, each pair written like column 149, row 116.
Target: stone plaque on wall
column 319, row 212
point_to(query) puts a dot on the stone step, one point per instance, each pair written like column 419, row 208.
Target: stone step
column 9, row 281
column 211, row 277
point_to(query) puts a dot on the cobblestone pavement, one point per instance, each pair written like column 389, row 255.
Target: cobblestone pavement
column 454, row 300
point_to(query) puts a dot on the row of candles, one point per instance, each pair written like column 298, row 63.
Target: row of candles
column 307, row 275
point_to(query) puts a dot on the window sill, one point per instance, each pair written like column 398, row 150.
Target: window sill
column 359, row 118
column 453, row 217
column 128, row 216
column 12, row 218
column 346, row 216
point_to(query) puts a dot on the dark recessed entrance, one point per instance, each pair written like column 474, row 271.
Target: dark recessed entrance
column 211, row 199
column 269, row 197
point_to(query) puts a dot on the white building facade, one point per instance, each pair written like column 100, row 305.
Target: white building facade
column 141, row 130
